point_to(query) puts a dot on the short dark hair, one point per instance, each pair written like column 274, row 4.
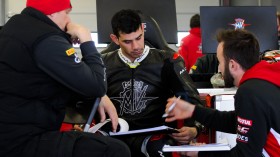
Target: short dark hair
column 241, row 46
column 195, row 21
column 126, row 21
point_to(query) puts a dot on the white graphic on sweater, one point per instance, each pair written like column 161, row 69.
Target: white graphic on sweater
column 133, row 101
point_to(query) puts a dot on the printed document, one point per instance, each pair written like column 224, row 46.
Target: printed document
column 154, row 130
column 204, row 147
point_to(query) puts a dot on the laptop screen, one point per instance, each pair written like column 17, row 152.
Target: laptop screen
column 260, row 20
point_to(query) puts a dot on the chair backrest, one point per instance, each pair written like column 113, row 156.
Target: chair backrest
column 153, row 36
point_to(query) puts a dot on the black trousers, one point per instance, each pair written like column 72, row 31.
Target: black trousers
column 74, row 144
column 154, row 145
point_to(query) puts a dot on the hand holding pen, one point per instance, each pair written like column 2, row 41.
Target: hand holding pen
column 171, row 107
column 178, row 109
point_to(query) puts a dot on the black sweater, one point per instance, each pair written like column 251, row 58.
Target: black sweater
column 39, row 72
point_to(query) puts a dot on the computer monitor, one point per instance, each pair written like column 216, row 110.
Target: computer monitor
column 163, row 11
column 260, row 20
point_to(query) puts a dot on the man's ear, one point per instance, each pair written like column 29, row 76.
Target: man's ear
column 114, row 39
column 52, row 15
column 234, row 66
column 143, row 26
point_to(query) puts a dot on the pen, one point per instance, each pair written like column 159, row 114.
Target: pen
column 92, row 113
column 171, row 107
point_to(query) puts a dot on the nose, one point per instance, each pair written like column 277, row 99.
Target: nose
column 134, row 45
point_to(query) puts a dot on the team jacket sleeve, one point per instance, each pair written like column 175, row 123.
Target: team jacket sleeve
column 181, row 84
column 179, row 80
column 252, row 126
column 212, row 118
column 86, row 76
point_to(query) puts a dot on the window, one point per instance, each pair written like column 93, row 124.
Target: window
column 181, row 35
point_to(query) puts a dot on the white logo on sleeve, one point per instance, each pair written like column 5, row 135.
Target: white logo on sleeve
column 77, row 59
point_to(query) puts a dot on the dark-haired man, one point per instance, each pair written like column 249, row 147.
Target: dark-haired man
column 140, row 80
column 256, row 116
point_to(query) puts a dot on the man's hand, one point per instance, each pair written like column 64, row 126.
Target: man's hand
column 78, row 33
column 77, row 127
column 185, row 135
column 189, row 154
column 193, row 153
column 182, row 110
column 107, row 106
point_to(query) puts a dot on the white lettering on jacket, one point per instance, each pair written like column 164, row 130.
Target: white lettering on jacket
column 242, row 138
column 242, row 129
column 244, row 121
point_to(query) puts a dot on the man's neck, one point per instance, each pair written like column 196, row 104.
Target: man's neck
column 125, row 58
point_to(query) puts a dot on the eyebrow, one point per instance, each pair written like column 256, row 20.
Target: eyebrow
column 132, row 39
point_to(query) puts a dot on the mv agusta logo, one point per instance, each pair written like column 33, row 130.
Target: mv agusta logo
column 137, row 103
column 239, row 24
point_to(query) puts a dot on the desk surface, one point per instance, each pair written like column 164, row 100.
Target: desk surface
column 217, row 91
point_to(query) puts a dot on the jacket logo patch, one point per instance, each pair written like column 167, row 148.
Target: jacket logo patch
column 194, row 67
column 242, row 129
column 70, row 51
column 242, row 138
column 182, row 71
column 77, row 59
column 244, row 121
column 140, row 101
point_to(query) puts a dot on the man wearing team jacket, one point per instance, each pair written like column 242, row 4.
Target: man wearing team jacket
column 257, row 112
column 140, row 80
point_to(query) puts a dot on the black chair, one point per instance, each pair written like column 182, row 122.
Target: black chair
column 153, row 36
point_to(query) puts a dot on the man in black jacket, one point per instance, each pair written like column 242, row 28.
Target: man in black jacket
column 140, row 80
column 256, row 116
column 39, row 71
column 207, row 64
